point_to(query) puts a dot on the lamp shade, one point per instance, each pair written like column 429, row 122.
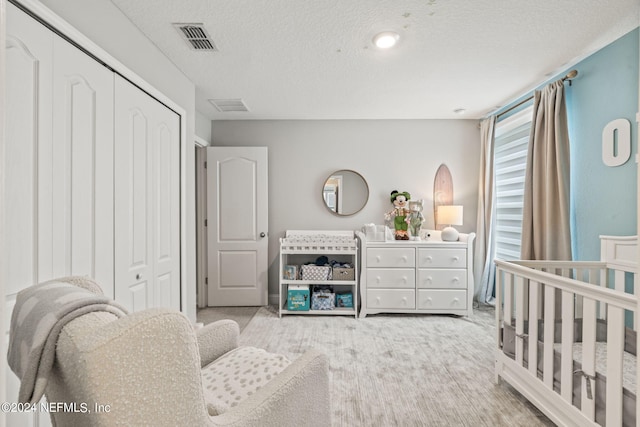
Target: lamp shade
column 450, row 215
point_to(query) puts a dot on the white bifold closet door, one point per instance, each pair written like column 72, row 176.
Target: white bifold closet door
column 92, row 179
column 58, row 170
column 147, row 215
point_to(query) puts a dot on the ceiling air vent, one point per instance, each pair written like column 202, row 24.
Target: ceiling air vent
column 229, row 105
column 196, row 37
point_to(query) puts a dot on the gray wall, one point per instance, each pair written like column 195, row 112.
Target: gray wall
column 203, row 127
column 390, row 154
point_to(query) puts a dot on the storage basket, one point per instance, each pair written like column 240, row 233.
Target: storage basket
column 343, row 273
column 315, row 272
column 323, row 300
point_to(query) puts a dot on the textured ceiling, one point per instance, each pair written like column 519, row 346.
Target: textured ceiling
column 298, row 59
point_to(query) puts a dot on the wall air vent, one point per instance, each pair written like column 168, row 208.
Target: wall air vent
column 229, row 105
column 196, row 37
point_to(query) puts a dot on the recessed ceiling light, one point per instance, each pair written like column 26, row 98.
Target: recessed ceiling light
column 459, row 111
column 386, row 39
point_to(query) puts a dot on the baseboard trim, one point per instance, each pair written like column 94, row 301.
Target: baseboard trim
column 274, row 299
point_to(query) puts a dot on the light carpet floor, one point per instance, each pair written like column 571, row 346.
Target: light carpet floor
column 242, row 315
column 402, row 370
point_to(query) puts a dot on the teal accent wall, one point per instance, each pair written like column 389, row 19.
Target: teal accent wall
column 603, row 197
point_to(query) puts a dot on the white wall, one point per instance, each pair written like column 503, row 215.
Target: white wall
column 103, row 23
column 390, row 154
column 3, row 307
column 203, row 127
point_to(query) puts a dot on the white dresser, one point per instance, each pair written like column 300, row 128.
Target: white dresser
column 426, row 276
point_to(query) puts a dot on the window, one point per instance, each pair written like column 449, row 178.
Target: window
column 511, row 143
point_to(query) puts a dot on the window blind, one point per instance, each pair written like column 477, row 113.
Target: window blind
column 510, row 151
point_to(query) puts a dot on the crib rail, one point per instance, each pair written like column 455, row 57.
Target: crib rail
column 529, row 293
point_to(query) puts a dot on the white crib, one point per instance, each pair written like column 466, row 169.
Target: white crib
column 582, row 368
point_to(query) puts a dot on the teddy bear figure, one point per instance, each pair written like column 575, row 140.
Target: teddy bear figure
column 415, row 218
column 399, row 213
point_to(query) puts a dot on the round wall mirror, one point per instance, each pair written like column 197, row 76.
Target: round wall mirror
column 345, row 192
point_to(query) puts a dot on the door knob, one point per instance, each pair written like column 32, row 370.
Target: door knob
column 262, row 234
column 138, row 276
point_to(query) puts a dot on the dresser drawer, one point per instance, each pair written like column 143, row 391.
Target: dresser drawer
column 391, row 278
column 391, row 298
column 391, row 257
column 446, row 258
column 442, row 278
column 442, row 299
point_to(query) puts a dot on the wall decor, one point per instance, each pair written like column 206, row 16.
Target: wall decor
column 442, row 192
column 616, row 142
column 345, row 192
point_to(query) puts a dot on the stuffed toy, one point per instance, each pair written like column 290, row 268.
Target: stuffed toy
column 415, row 218
column 399, row 213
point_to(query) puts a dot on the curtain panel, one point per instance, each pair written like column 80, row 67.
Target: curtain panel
column 546, row 219
column 484, row 268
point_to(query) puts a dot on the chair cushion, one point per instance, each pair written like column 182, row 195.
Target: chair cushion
column 233, row 377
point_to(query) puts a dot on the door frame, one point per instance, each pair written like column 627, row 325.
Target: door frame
column 75, row 37
column 202, row 290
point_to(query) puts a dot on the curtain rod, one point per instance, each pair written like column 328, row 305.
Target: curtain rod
column 570, row 76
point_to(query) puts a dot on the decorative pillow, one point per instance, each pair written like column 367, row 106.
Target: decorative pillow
column 238, row 374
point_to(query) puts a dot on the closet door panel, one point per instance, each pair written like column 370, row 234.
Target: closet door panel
column 137, row 177
column 28, row 151
column 147, row 222
column 27, row 167
column 133, row 198
column 167, row 215
column 83, row 166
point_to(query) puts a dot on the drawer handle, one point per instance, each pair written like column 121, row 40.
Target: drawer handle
column 378, row 279
column 429, row 279
column 378, row 258
column 429, row 258
column 455, row 280
column 377, row 300
column 404, row 300
column 456, row 258
column 404, row 279
column 404, row 258
column 455, row 301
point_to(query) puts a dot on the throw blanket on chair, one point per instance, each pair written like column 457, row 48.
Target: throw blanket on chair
column 40, row 313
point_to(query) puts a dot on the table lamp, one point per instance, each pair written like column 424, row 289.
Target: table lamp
column 449, row 215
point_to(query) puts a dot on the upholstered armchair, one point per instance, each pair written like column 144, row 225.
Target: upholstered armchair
column 153, row 368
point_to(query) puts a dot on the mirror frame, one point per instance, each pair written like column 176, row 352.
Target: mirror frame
column 366, row 184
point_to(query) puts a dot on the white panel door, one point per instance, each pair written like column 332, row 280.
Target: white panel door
column 147, row 218
column 82, row 157
column 237, row 212
column 27, row 168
